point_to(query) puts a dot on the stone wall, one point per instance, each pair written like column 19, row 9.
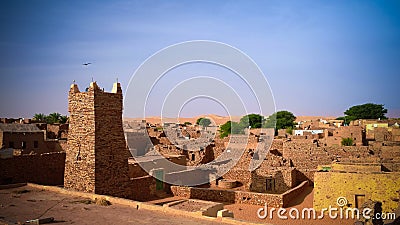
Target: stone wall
column 228, row 196
column 136, row 171
column 306, row 155
column 335, row 136
column 57, row 131
column 46, row 169
column 111, row 154
column 281, row 179
column 294, row 193
column 243, row 176
column 80, row 157
column 141, row 188
column 239, row 197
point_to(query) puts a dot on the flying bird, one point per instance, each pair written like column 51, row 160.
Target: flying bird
column 86, row 64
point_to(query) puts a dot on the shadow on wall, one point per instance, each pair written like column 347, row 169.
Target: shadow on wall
column 305, row 176
column 213, row 195
column 45, row 169
column 300, row 198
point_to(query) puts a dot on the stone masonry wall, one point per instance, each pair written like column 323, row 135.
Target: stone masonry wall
column 229, row 196
column 284, row 178
column 110, row 147
column 97, row 156
column 306, row 155
column 239, row 197
column 80, row 157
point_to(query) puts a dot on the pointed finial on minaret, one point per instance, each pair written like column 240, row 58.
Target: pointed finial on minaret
column 74, row 88
column 116, row 87
column 92, row 79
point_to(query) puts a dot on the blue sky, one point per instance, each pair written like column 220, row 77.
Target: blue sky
column 320, row 57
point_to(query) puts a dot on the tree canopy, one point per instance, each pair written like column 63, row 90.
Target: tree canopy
column 205, row 122
column 365, row 111
column 231, row 128
column 39, row 117
column 281, row 120
column 51, row 118
column 253, row 120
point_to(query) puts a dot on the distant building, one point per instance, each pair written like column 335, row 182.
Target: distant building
column 26, row 137
column 301, row 132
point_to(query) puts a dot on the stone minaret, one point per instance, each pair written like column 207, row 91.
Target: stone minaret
column 96, row 159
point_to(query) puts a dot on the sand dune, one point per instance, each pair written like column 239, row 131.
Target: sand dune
column 218, row 120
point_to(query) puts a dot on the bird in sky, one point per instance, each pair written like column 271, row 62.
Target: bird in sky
column 87, row 64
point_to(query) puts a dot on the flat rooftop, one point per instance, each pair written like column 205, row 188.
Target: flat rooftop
column 27, row 203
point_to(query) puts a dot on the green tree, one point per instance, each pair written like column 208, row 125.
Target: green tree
column 205, row 122
column 187, row 123
column 230, row 128
column 284, row 119
column 253, row 120
column 225, row 129
column 39, row 117
column 289, row 130
column 365, row 111
column 53, row 118
column 280, row 120
column 63, row 119
column 347, row 141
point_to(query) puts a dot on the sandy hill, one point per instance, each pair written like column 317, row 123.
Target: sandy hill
column 218, row 119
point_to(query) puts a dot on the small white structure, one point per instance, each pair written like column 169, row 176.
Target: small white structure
column 301, row 132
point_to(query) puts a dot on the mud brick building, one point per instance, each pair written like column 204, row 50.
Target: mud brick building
column 26, row 139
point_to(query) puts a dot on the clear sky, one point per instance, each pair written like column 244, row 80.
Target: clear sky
column 320, row 57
